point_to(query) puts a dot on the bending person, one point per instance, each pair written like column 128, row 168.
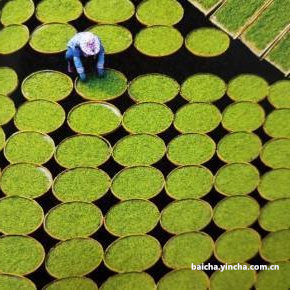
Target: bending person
column 85, row 45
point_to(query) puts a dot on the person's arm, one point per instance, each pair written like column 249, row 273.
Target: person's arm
column 78, row 63
column 101, row 61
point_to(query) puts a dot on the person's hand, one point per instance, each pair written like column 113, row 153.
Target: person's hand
column 101, row 72
column 83, row 76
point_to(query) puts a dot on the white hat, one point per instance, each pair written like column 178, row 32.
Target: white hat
column 89, row 43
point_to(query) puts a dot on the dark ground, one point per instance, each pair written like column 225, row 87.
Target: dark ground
column 238, row 59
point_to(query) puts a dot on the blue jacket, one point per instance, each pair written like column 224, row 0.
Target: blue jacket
column 75, row 53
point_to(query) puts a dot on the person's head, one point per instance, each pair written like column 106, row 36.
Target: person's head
column 89, row 44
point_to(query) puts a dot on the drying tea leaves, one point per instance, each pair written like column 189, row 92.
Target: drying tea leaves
column 52, row 37
column 81, row 184
column 109, row 11
column 58, row 11
column 30, row 147
column 158, row 41
column 24, row 179
column 12, row 38
column 159, row 12
column 39, row 115
column 48, row 85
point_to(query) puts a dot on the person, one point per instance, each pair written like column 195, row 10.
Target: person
column 85, row 45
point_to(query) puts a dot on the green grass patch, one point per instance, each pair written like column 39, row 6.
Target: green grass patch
column 132, row 281
column 278, row 55
column 237, row 179
column 132, row 253
column 72, row 283
column 19, row 215
column 137, row 182
column 47, row 85
column 243, row 116
column 236, row 212
column 275, row 246
column 277, row 123
column 81, row 184
column 109, row 11
column 189, row 182
column 158, row 41
column 261, row 33
column 190, row 149
column 280, row 279
column 2, row 138
column 8, row 281
column 51, row 37
column 24, row 179
column 115, row 38
column 248, row 87
column 197, row 118
column 276, row 152
column 207, row 42
column 239, row 147
column 275, row 184
column 237, row 246
column 20, row 255
column 39, row 115
column 17, row 12
column 74, row 257
column 30, row 147
column 183, row 249
column 139, row 149
column 279, row 94
column 58, row 11
column 275, row 215
column 13, row 38
column 159, row 12
column 73, row 220
column 8, row 80
column 94, row 118
column 203, row 88
column 153, row 88
column 111, row 86
column 151, row 118
column 235, row 14
column 130, row 217
column 7, row 109
column 232, row 279
column 185, row 216
column 184, row 279
column 82, row 150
